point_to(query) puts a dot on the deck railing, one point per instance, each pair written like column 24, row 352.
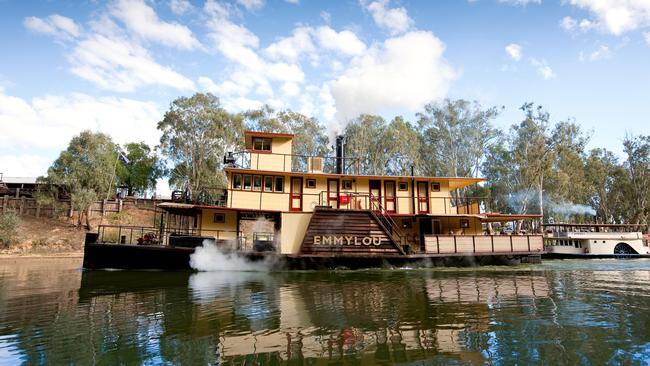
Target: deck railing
column 294, row 162
column 149, row 235
column 488, row 244
column 404, row 204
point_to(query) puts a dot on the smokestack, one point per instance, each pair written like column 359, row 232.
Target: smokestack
column 340, row 154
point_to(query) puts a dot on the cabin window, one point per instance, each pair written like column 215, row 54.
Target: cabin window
column 403, row 186
column 464, row 223
column 268, row 184
column 310, row 183
column 247, row 182
column 347, row 184
column 435, row 187
column 219, row 218
column 279, row 184
column 261, row 144
column 236, row 181
column 257, row 182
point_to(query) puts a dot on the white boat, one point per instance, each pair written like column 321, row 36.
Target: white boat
column 595, row 240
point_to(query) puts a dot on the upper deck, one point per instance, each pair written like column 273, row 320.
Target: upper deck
column 267, row 176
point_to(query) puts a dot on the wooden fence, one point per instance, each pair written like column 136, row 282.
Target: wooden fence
column 27, row 207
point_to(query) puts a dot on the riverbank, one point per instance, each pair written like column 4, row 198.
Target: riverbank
column 46, row 237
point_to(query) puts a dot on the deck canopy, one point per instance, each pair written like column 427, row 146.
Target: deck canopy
column 184, row 209
column 502, row 217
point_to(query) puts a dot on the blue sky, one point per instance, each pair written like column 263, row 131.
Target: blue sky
column 115, row 66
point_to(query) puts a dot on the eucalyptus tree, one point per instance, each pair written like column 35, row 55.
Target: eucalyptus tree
column 604, row 177
column 637, row 164
column 310, row 138
column 196, row 133
column 365, row 139
column 518, row 165
column 85, row 170
column 141, row 168
column 456, row 135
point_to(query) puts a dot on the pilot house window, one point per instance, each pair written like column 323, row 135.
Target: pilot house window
column 435, row 187
column 261, row 144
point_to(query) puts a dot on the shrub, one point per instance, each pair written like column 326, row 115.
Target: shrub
column 9, row 222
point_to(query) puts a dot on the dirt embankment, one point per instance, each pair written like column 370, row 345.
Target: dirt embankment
column 60, row 237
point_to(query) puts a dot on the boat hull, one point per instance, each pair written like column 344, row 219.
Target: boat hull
column 592, row 256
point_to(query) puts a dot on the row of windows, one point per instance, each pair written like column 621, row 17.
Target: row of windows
column 268, row 183
column 276, row 183
column 566, row 243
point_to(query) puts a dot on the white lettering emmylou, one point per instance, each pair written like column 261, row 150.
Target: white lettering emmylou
column 347, row 240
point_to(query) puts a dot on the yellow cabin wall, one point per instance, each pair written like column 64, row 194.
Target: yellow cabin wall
column 294, row 226
column 279, row 160
column 228, row 229
column 439, row 202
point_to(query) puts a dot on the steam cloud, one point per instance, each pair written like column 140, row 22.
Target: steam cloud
column 209, row 258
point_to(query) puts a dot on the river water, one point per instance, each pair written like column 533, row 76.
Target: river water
column 560, row 312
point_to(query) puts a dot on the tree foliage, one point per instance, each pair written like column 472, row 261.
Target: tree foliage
column 9, row 222
column 85, row 171
column 196, row 132
column 141, row 169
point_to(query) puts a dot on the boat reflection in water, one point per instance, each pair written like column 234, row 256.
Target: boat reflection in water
column 555, row 314
column 376, row 317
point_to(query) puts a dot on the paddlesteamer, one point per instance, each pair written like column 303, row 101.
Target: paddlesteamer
column 310, row 211
column 595, row 241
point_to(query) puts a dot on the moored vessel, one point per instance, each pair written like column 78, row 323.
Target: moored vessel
column 595, row 241
column 312, row 212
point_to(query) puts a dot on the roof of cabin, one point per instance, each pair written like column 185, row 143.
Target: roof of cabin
column 267, row 134
column 454, row 182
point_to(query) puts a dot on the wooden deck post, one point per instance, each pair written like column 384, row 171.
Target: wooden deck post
column 22, row 206
column 5, row 202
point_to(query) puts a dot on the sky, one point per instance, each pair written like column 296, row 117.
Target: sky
column 115, row 66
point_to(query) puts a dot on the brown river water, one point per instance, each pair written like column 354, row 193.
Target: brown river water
column 568, row 312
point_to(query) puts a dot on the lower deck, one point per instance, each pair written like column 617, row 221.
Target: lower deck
column 344, row 236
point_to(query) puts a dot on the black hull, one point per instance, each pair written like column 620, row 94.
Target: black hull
column 593, row 256
column 125, row 256
column 121, row 256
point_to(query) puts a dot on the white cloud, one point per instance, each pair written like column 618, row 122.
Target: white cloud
column 119, row 65
column 304, row 41
column 180, row 7
column 616, row 16
column 646, row 36
column 514, row 51
column 602, row 52
column 543, row 69
column 293, row 1
column 520, row 2
column 586, row 24
column 291, row 48
column 55, row 25
column 143, row 21
column 405, row 72
column 251, row 4
column 395, row 20
column 345, row 42
column 568, row 23
column 24, row 165
column 49, row 122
